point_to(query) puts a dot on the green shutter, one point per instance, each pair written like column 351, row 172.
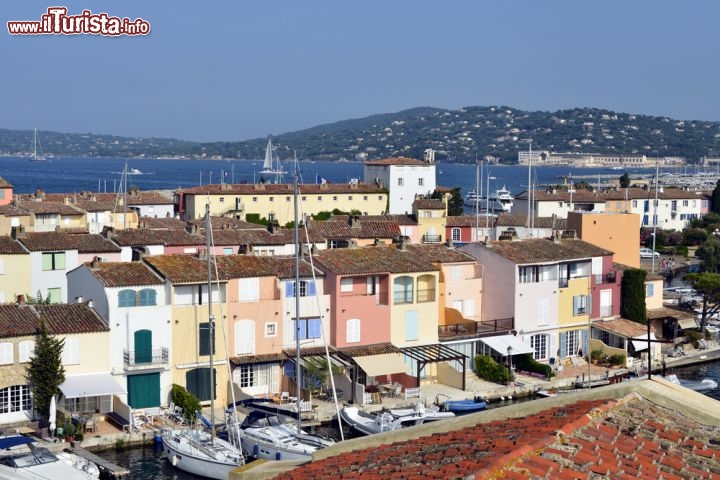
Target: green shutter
column 143, row 346
column 198, row 382
column 144, row 390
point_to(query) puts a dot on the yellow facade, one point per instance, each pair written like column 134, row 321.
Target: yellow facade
column 277, row 201
column 15, row 277
column 424, row 307
column 93, row 351
column 431, row 225
column 576, row 287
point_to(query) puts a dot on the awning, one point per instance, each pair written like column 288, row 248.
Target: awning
column 684, row 323
column 501, row 343
column 382, row 364
column 640, row 342
column 91, row 385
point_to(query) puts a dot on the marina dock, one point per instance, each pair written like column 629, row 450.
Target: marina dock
column 106, row 468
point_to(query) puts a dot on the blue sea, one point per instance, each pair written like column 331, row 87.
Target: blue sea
column 77, row 174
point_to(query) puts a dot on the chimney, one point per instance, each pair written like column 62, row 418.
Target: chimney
column 449, row 243
column 20, row 299
column 107, row 232
column 354, row 221
column 403, row 245
column 96, row 261
column 78, row 299
column 90, row 304
column 17, row 232
column 191, row 228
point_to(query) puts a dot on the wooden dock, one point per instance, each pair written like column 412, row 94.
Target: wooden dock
column 106, row 468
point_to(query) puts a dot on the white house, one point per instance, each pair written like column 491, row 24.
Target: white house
column 404, row 178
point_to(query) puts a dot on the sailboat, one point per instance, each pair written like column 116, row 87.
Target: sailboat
column 36, row 156
column 198, row 451
column 271, row 165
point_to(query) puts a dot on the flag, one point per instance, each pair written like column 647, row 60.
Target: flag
column 320, row 180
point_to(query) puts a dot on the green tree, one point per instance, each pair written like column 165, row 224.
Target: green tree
column 632, row 293
column 45, row 372
column 709, row 253
column 715, row 200
column 455, row 203
column 707, row 285
column 185, row 400
column 624, row 180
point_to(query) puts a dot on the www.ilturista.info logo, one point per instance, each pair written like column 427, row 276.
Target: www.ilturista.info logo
column 57, row 22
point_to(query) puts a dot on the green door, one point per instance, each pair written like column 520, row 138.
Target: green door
column 143, row 346
column 144, row 390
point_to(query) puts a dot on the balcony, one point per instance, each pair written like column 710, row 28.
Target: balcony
column 605, row 278
column 432, row 238
column 469, row 329
column 156, row 358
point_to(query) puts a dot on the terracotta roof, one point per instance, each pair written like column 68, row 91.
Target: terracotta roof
column 542, row 250
column 60, row 319
column 256, row 359
column 400, row 219
column 5, row 184
column 437, row 253
column 164, row 223
column 45, row 207
column 14, row 211
column 259, row 236
column 581, row 195
column 222, row 223
column 517, row 220
column 397, row 161
column 247, row 266
column 181, row 268
column 630, row 437
column 372, row 260
column 283, row 189
column 134, row 197
column 665, row 312
column 142, row 237
column 429, row 204
column 83, row 243
column 362, row 228
column 123, row 274
column 621, row 326
column 8, row 246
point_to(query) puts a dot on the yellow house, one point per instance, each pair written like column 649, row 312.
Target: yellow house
column 276, row 201
column 618, row 232
column 431, row 216
column 15, row 270
column 196, row 319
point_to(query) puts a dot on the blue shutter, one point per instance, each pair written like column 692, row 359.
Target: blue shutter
column 311, row 289
column 585, row 342
column 314, row 328
column 303, row 330
column 290, row 289
column 563, row 345
column 289, row 370
column 575, row 305
column 411, row 326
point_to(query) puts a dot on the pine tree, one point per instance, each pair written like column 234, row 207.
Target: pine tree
column 45, row 373
column 632, row 293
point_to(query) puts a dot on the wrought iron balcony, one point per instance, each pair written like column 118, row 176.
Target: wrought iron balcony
column 144, row 360
column 432, row 238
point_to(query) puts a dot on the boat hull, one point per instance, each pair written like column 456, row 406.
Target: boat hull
column 182, row 455
column 463, row 406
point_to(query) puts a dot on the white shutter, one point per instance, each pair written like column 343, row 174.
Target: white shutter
column 183, row 295
column 597, row 265
column 26, row 350
column 6, row 353
column 71, row 351
column 543, row 311
column 249, row 289
column 353, row 330
column 244, row 337
column 469, row 308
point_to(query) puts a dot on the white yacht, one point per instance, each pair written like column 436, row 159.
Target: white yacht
column 21, row 458
column 500, row 201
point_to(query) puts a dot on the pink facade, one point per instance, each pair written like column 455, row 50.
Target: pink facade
column 610, row 280
column 364, row 305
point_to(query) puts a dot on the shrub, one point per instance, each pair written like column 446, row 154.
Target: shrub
column 182, row 398
column 489, row 369
column 617, row 359
column 596, row 355
column 682, row 251
column 693, row 336
column 527, row 363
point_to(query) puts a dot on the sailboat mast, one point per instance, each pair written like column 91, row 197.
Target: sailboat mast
column 296, row 237
column 211, row 318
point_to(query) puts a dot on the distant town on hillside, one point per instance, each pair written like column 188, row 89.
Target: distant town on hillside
column 494, row 134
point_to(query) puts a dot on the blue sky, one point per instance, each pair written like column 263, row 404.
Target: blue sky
column 236, row 70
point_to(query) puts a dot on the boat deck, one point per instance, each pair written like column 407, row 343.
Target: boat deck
column 106, row 467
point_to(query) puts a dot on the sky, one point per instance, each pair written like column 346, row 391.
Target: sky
column 243, row 69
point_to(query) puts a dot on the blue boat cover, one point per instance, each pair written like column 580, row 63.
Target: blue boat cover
column 14, row 441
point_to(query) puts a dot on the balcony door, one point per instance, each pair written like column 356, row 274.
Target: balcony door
column 143, row 346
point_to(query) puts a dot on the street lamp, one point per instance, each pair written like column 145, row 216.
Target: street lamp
column 487, row 200
column 509, row 355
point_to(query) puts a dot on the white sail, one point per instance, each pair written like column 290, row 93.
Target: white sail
column 267, row 165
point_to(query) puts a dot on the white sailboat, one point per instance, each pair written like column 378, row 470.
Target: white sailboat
column 36, row 155
column 271, row 165
column 198, row 451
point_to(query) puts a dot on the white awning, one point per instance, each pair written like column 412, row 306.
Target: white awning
column 689, row 322
column 640, row 342
column 501, row 343
column 382, row 364
column 91, row 385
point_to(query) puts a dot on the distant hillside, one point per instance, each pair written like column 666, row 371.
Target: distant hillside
column 457, row 135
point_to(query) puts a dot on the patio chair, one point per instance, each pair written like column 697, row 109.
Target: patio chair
column 284, row 397
column 397, row 390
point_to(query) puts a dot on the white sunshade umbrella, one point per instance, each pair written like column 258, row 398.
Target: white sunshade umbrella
column 53, row 415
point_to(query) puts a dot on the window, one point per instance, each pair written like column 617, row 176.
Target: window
column 6, row 353
column 334, row 198
column 26, row 349
column 426, row 288
column 307, row 289
column 685, row 203
column 539, row 344
column 287, row 199
column 372, row 285
column 271, row 217
column 649, row 289
column 247, row 375
column 529, row 274
column 270, row 329
column 204, row 339
column 55, row 295
column 15, row 399
column 320, row 198
column 634, row 203
column 353, row 330
column 222, row 199
column 346, row 284
column 421, row 182
column 309, row 328
column 303, row 198
column 403, row 290
column 411, row 326
column 249, row 289
column 227, row 251
column 569, row 343
column 673, row 205
column 456, row 273
column 201, row 382
column 272, row 199
column 455, row 234
column 2, row 266
column 148, row 297
column 365, row 197
column 580, row 304
column 400, row 182
column 71, row 351
column 244, row 337
column 254, row 199
column 350, row 198
column 126, row 298
column 53, row 261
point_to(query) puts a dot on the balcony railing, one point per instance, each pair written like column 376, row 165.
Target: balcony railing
column 605, row 278
column 156, row 358
column 432, row 238
column 484, row 327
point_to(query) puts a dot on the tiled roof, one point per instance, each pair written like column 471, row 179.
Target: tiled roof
column 517, row 220
column 45, row 207
column 5, row 184
column 541, row 250
column 60, row 319
column 465, row 221
column 142, row 237
column 134, row 197
column 13, row 211
column 164, row 223
column 621, row 326
column 181, row 268
column 397, row 161
column 437, row 253
column 627, row 438
column 247, row 266
column 400, row 219
column 373, row 260
column 8, row 246
column 429, row 204
column 257, row 359
column 83, row 243
column 665, row 312
column 221, row 223
column 123, row 274
column 362, row 228
column 259, row 236
column 283, row 189
column 581, row 195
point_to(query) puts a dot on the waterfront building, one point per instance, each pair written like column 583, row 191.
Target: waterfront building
column 405, row 178
column 618, row 232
